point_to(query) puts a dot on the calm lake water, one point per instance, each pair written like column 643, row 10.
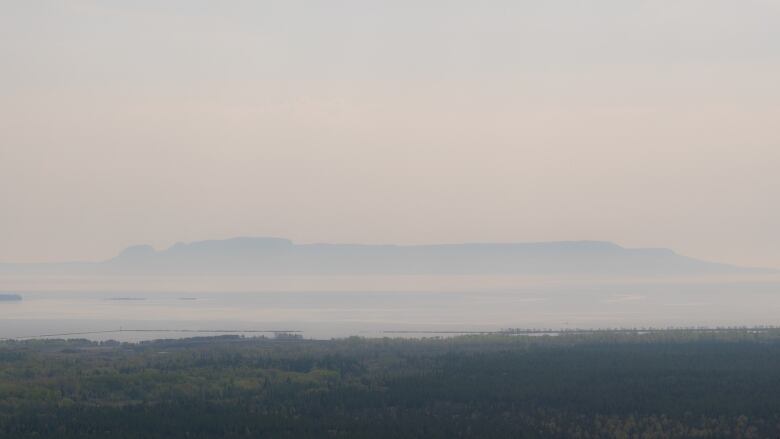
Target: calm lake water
column 337, row 306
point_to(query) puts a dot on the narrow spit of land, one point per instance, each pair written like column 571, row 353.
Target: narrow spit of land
column 679, row 383
column 156, row 331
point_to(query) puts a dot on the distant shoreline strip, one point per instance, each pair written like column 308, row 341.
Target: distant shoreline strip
column 510, row 331
column 515, row 331
column 200, row 331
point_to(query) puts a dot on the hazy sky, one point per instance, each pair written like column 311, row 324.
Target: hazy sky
column 648, row 123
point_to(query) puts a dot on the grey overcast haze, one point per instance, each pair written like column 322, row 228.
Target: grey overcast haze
column 650, row 123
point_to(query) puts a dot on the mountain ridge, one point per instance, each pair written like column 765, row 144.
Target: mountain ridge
column 270, row 255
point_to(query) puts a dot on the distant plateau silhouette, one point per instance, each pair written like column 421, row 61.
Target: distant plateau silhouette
column 251, row 255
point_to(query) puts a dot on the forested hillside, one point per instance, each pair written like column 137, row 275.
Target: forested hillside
column 674, row 384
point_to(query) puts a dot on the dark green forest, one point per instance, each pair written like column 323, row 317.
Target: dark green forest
column 665, row 384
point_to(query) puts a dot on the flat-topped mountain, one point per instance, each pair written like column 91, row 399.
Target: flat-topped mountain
column 282, row 256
